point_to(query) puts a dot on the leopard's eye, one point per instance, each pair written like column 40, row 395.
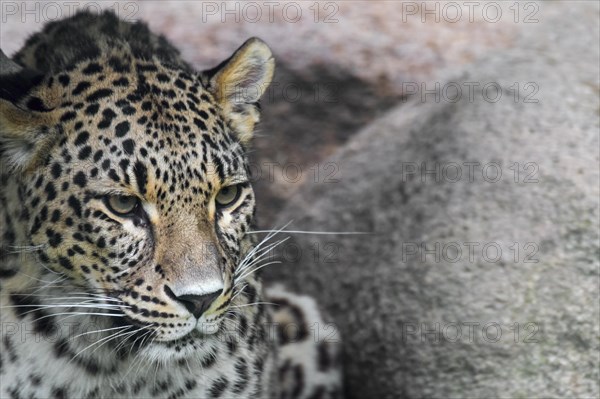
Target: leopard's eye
column 228, row 196
column 122, row 205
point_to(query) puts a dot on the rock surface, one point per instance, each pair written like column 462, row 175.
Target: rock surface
column 424, row 321
column 384, row 297
column 7, row 65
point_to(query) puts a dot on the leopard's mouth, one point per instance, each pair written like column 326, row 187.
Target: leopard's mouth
column 169, row 328
column 171, row 333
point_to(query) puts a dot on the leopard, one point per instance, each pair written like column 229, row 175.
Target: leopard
column 129, row 252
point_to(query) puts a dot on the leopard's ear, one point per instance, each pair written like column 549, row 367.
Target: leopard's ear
column 25, row 120
column 240, row 81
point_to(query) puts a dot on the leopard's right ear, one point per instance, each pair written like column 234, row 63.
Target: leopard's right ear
column 26, row 120
column 240, row 81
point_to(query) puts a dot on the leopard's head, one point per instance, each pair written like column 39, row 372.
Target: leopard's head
column 133, row 189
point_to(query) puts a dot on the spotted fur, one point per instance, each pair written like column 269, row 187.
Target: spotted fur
column 93, row 300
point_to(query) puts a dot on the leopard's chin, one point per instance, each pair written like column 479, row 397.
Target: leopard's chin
column 198, row 344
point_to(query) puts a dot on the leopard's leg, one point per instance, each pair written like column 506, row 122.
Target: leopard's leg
column 309, row 354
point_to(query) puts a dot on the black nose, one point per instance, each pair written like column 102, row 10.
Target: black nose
column 197, row 304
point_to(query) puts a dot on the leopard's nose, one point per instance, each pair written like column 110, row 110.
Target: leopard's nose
column 197, row 304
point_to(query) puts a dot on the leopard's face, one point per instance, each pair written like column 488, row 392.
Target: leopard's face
column 139, row 192
column 146, row 199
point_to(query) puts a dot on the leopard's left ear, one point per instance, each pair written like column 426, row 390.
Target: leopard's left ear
column 26, row 121
column 240, row 81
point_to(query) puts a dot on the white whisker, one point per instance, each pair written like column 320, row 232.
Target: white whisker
column 264, row 252
column 99, row 331
column 36, row 279
column 146, row 335
column 26, row 248
column 239, row 292
column 78, row 314
column 314, row 232
column 264, row 240
column 65, row 305
column 96, row 343
column 124, row 340
column 253, row 304
column 60, row 279
column 248, row 273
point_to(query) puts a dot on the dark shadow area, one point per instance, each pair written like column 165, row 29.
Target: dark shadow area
column 305, row 118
